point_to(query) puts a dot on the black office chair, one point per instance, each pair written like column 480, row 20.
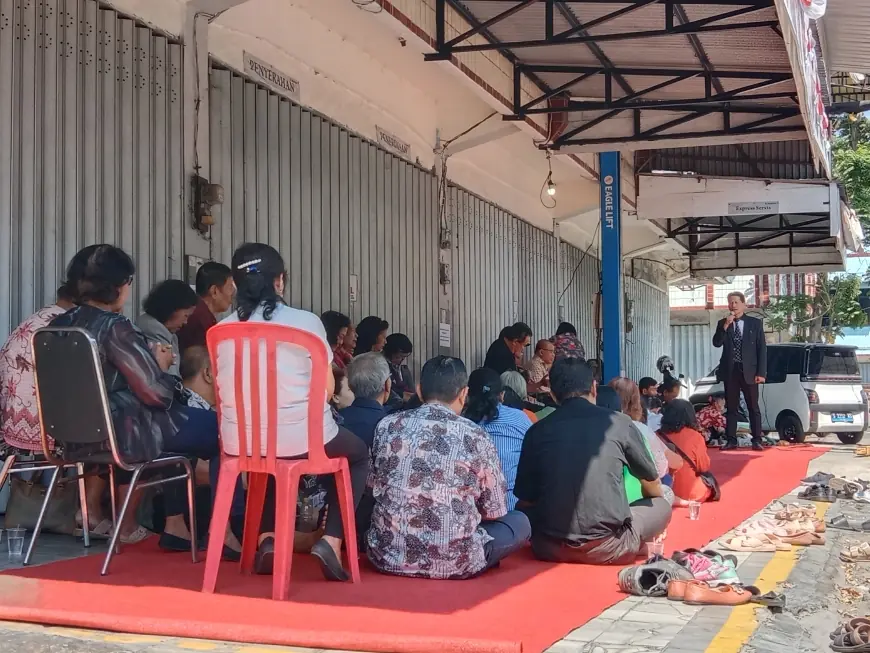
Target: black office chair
column 74, row 411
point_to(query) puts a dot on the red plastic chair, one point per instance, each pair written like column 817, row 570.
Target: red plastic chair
column 287, row 472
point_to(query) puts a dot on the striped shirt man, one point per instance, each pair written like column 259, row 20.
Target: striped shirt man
column 507, row 431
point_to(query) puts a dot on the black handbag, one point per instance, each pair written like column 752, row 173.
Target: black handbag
column 707, row 478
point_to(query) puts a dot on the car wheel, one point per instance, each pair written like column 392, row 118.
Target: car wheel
column 851, row 438
column 790, row 429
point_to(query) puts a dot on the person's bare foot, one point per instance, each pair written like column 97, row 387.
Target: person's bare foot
column 176, row 527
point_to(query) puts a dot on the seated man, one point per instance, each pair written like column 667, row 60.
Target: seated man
column 570, row 478
column 369, row 379
column 439, row 492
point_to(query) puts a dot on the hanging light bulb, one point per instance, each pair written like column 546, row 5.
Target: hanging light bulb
column 551, row 187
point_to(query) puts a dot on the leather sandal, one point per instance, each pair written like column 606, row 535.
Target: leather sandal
column 856, row 641
column 856, row 553
column 849, row 626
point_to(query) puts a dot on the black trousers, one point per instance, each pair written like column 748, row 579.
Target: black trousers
column 734, row 385
column 346, row 445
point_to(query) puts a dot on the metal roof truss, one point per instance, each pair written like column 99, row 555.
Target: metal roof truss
column 757, row 103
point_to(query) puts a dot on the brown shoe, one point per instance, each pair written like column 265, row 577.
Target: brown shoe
column 677, row 589
column 698, row 593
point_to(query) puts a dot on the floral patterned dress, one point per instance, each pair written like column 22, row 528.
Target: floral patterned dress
column 18, row 410
column 569, row 346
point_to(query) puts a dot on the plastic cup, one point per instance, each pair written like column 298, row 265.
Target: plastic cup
column 655, row 548
column 15, row 541
column 694, row 510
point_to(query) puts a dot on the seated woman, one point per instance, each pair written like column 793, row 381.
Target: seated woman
column 505, row 426
column 336, row 325
column 260, row 277
column 147, row 418
column 167, row 308
column 371, row 335
column 635, row 488
column 665, row 459
column 19, row 416
column 680, row 429
column 397, row 349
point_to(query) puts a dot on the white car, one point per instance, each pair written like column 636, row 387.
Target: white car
column 810, row 388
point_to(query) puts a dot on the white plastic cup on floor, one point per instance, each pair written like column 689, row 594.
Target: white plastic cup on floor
column 15, row 541
column 656, row 548
column 694, row 510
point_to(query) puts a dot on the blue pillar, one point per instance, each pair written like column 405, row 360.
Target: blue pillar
column 611, row 264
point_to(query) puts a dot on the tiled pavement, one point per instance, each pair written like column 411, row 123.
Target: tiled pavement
column 636, row 625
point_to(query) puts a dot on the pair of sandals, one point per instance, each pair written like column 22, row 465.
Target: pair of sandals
column 853, row 636
column 856, row 553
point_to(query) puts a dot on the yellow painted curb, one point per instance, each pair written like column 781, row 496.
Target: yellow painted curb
column 742, row 623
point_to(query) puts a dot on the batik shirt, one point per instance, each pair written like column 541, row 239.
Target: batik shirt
column 435, row 477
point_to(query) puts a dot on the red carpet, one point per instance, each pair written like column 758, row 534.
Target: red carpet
column 523, row 606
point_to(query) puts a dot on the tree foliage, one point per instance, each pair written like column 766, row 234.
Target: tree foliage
column 823, row 316
column 851, row 155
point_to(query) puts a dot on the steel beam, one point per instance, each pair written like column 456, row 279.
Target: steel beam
column 684, row 104
column 656, row 72
column 712, row 133
column 579, row 33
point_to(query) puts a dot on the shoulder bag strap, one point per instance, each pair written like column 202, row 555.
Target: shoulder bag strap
column 680, row 452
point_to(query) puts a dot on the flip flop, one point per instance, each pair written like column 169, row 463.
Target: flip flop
column 748, row 543
column 772, row 600
column 843, row 523
column 856, row 553
column 849, row 626
column 862, row 452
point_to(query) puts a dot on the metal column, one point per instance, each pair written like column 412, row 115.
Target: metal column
column 611, row 264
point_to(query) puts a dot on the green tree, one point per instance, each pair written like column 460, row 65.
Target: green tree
column 823, row 316
column 851, row 156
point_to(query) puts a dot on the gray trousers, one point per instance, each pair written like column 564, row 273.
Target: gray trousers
column 649, row 519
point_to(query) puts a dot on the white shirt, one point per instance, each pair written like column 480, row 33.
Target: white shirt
column 653, row 420
column 294, row 379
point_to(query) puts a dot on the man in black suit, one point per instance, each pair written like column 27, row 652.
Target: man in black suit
column 742, row 367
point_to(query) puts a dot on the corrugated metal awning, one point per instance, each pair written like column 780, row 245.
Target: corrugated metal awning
column 846, row 26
